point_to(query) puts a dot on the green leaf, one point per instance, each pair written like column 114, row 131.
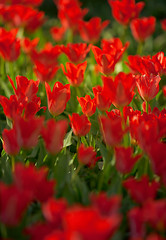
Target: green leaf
column 68, row 139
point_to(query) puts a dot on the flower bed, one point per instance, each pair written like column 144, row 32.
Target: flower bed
column 83, row 144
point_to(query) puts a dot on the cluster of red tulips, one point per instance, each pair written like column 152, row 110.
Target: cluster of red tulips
column 83, row 144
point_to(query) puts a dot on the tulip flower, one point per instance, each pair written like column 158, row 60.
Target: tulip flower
column 75, row 73
column 47, row 56
column 88, row 105
column 58, row 33
column 120, row 90
column 22, row 16
column 29, row 45
column 141, row 190
column 45, row 73
column 54, row 139
column 109, row 55
column 58, row 98
column 103, row 101
column 87, row 156
column 27, row 131
column 124, row 160
column 25, row 101
column 13, row 204
column 10, row 143
column 125, row 10
column 31, row 179
column 148, row 86
column 111, row 130
column 163, row 24
column 70, row 13
column 90, row 31
column 9, row 44
column 80, row 124
column 76, row 52
column 142, row 28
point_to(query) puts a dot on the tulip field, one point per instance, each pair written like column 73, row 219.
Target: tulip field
column 82, row 122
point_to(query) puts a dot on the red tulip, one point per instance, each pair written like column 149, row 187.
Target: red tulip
column 22, row 16
column 147, row 65
column 111, row 130
column 54, row 139
column 120, row 90
column 58, row 98
column 54, row 211
column 76, row 52
column 31, row 179
column 124, row 159
column 28, row 45
column 80, row 124
column 25, row 101
column 89, row 224
column 27, row 131
column 141, row 190
column 163, row 24
column 136, row 223
column 154, row 215
column 103, row 101
column 106, row 205
column 47, row 56
column 45, row 73
column 148, row 86
column 142, row 28
column 87, row 155
column 125, row 10
column 58, row 33
column 10, row 143
column 13, row 204
column 90, row 31
column 25, row 88
column 109, row 55
column 141, row 65
column 9, row 44
column 88, row 105
column 70, row 13
column 75, row 73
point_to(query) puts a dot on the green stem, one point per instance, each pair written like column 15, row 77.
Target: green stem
column 78, row 92
column 106, row 168
column 76, row 171
column 70, row 36
column 13, row 163
column 123, row 37
column 126, row 135
column 3, row 231
column 78, row 142
column 139, row 48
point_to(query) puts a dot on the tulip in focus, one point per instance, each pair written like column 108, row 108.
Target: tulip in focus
column 57, row 98
column 148, row 86
column 88, row 105
column 75, row 73
column 80, row 124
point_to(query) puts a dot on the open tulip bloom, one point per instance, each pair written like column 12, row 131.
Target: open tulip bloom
column 82, row 122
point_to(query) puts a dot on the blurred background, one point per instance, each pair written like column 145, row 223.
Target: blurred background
column 156, row 8
column 101, row 8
